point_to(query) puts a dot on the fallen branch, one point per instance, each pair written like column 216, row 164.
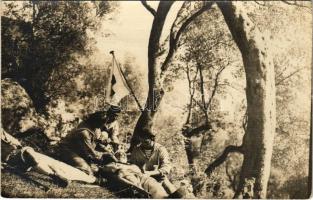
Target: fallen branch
column 261, row 4
column 223, row 157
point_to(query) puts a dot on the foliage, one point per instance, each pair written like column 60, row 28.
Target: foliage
column 47, row 38
column 50, row 53
column 207, row 52
column 292, row 65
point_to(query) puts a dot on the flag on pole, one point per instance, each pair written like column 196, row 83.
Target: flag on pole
column 119, row 88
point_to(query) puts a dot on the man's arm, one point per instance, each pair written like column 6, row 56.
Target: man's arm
column 133, row 158
column 87, row 147
column 115, row 133
column 165, row 164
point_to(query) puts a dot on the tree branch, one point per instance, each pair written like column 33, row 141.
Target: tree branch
column 188, row 78
column 215, row 86
column 174, row 39
column 199, row 104
column 191, row 84
column 278, row 76
column 195, row 131
column 295, row 3
column 202, row 94
column 261, row 4
column 223, row 157
column 149, row 8
column 287, row 77
column 190, row 102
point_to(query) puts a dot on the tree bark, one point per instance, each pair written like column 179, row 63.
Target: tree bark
column 260, row 93
column 155, row 72
column 155, row 92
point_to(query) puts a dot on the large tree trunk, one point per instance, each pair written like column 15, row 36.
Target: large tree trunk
column 155, row 93
column 260, row 92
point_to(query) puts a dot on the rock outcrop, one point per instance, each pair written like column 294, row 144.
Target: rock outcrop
column 18, row 112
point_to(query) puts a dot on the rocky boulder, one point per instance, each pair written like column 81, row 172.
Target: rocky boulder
column 19, row 117
column 18, row 113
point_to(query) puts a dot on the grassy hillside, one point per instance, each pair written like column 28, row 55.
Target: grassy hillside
column 35, row 185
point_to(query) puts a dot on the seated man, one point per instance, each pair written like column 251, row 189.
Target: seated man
column 111, row 126
column 80, row 147
column 153, row 159
column 106, row 121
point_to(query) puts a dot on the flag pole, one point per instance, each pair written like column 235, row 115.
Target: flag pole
column 131, row 90
column 108, row 92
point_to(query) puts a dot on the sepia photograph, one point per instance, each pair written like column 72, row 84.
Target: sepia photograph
column 156, row 99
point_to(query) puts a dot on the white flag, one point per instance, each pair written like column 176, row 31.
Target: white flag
column 119, row 88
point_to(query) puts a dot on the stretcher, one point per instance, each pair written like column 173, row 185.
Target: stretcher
column 115, row 174
column 129, row 177
column 149, row 188
column 132, row 189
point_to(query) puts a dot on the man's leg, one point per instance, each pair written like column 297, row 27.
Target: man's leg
column 166, row 183
column 168, row 186
column 153, row 187
column 76, row 161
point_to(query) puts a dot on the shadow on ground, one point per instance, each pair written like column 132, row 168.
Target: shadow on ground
column 35, row 185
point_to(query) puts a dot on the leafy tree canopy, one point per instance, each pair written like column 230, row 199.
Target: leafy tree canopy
column 42, row 41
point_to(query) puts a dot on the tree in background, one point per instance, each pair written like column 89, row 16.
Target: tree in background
column 292, row 61
column 194, row 34
column 281, row 64
column 258, row 140
column 260, row 86
column 160, row 58
column 42, row 42
column 206, row 52
column 204, row 58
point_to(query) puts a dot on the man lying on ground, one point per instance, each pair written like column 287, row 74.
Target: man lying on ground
column 58, row 170
column 132, row 175
column 26, row 158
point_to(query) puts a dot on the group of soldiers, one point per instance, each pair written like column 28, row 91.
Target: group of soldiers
column 94, row 148
column 93, row 153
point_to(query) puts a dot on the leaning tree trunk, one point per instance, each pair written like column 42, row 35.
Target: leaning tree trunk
column 155, row 93
column 158, row 68
column 260, row 93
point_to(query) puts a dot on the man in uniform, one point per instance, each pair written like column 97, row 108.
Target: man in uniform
column 81, row 147
column 153, row 159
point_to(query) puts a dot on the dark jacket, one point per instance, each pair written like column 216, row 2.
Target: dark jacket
column 82, row 141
